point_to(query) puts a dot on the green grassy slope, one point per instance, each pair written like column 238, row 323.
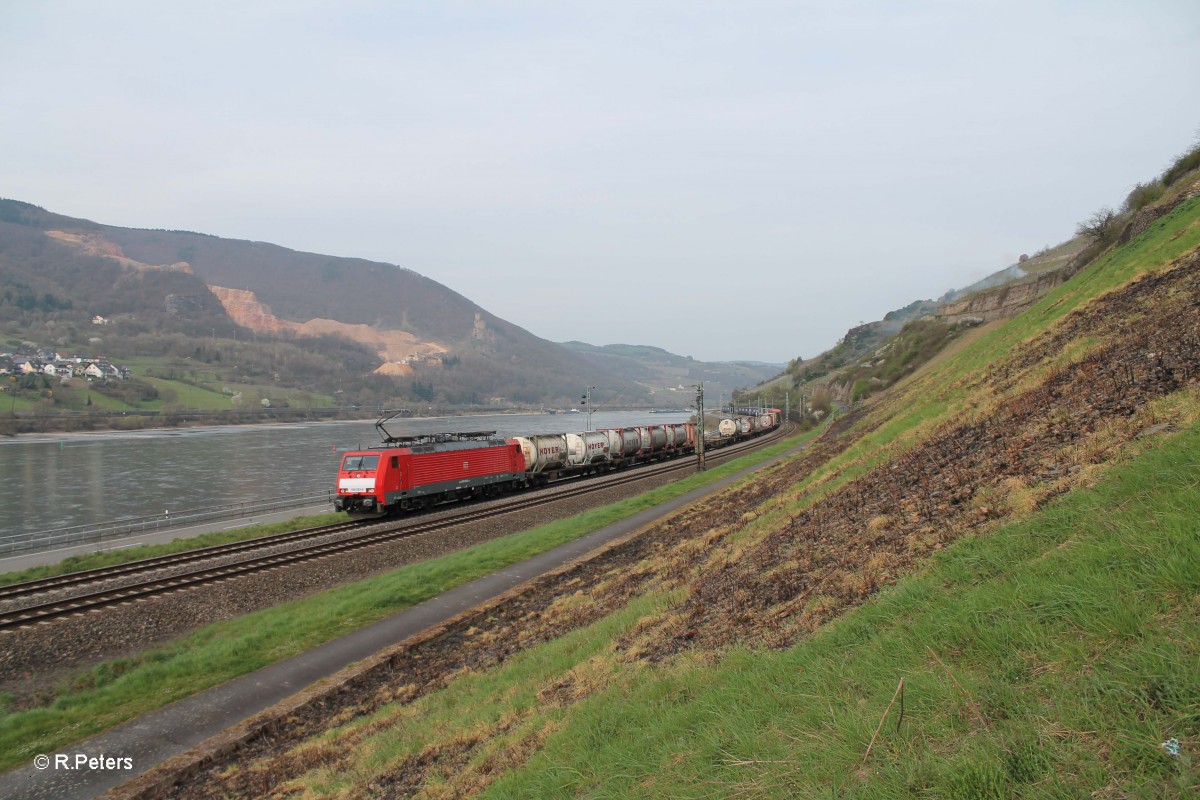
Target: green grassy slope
column 1053, row 658
column 1026, row 551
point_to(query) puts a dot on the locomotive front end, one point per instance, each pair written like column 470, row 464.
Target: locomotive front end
column 358, row 492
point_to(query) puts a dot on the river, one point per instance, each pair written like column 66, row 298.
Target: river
column 59, row 480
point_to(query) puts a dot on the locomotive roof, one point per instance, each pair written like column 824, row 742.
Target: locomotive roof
column 438, row 442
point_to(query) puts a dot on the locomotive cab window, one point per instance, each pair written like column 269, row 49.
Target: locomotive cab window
column 395, row 462
column 360, row 463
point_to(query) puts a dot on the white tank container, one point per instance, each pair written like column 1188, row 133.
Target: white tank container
column 677, row 435
column 727, row 427
column 543, row 451
column 587, row 448
column 654, row 439
column 623, row 442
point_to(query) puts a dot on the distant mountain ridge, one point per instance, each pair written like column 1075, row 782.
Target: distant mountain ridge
column 674, row 376
column 202, row 285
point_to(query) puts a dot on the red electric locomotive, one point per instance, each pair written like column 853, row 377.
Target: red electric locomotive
column 411, row 472
column 416, row 471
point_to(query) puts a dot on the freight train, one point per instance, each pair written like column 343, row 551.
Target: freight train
column 412, row 472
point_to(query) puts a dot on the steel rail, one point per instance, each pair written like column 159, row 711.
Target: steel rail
column 78, row 604
column 98, row 574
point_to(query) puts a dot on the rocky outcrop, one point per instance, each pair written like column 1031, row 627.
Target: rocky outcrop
column 1003, row 301
column 1143, row 219
column 243, row 307
column 394, row 346
column 1012, row 298
column 93, row 244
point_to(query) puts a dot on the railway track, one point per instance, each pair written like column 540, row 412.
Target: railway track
column 41, row 612
column 83, row 577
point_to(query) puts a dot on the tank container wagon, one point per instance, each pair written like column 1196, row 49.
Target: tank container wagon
column 549, row 456
column 624, row 445
column 681, row 437
column 738, row 427
column 654, row 441
column 587, row 450
column 559, row 455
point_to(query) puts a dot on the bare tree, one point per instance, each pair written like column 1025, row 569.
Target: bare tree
column 822, row 399
column 1101, row 226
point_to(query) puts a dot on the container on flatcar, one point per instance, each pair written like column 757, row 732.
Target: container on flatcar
column 727, row 427
column 544, row 452
column 591, row 447
column 623, row 443
column 690, row 433
column 677, row 435
column 743, row 426
column 654, row 439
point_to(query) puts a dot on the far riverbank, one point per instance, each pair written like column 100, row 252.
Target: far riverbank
column 98, row 422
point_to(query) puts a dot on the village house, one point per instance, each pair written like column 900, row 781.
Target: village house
column 48, row 362
column 59, row 370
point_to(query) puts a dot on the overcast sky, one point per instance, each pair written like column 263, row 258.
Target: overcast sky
column 726, row 180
